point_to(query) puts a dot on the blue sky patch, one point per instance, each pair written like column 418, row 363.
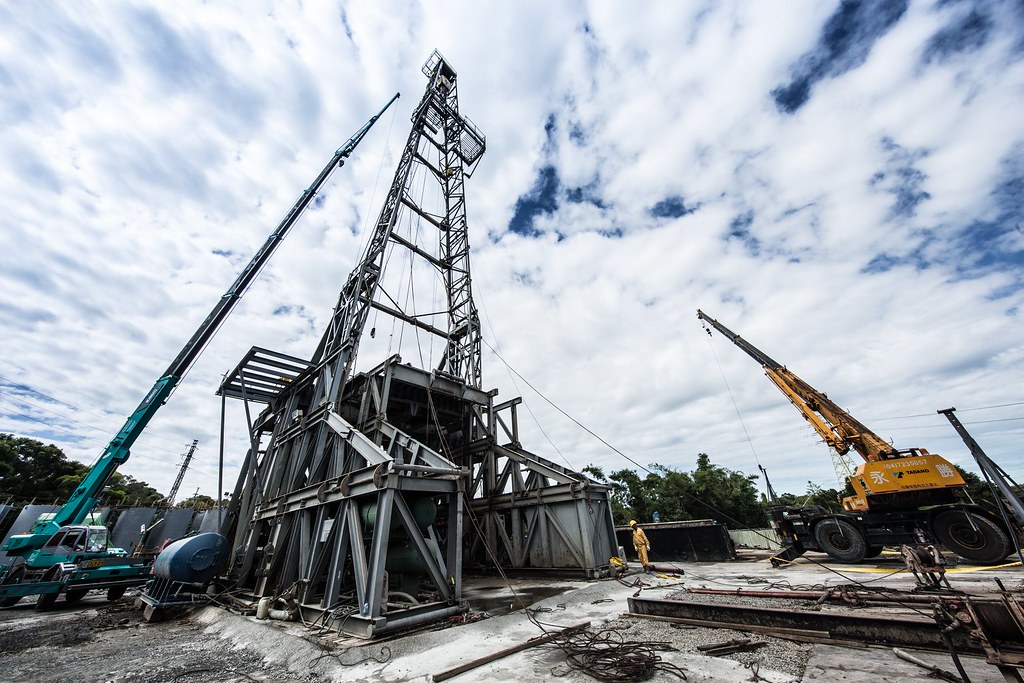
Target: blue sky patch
column 739, row 229
column 964, row 35
column 845, row 43
column 577, row 133
column 988, row 243
column 885, row 262
column 1000, row 242
column 345, row 24
column 542, row 199
column 585, row 195
column 671, row 207
column 901, row 179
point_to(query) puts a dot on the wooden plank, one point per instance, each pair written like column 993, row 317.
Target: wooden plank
column 533, row 642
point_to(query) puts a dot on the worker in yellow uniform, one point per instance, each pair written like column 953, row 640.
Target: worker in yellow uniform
column 640, row 542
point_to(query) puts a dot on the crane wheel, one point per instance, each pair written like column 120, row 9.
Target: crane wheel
column 71, row 597
column 115, row 593
column 972, row 536
column 45, row 601
column 873, row 551
column 841, row 540
column 14, row 576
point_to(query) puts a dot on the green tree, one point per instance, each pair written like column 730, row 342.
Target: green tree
column 632, row 497
column 830, row 499
column 129, row 491
column 31, row 470
column 977, row 488
column 199, row 502
column 725, row 495
column 709, row 492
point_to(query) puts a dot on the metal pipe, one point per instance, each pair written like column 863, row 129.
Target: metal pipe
column 407, row 597
column 458, row 471
column 815, row 595
column 417, row 619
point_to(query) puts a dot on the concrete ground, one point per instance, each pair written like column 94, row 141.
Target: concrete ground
column 96, row 641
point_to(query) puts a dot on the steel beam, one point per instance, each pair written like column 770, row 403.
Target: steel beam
column 887, row 629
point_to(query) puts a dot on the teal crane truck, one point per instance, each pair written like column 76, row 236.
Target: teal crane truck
column 66, row 555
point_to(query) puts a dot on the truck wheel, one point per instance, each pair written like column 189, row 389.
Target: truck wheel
column 46, row 600
column 840, row 540
column 71, row 597
column 873, row 551
column 14, row 576
column 972, row 536
column 114, row 594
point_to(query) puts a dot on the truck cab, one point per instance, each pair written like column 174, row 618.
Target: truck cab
column 74, row 560
column 71, row 545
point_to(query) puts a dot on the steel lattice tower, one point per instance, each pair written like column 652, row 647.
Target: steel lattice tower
column 364, row 489
column 446, row 146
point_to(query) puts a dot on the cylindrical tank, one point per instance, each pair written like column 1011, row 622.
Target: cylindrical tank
column 404, row 559
column 194, row 559
column 423, row 509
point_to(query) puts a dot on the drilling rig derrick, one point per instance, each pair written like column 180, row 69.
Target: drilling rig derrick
column 364, row 493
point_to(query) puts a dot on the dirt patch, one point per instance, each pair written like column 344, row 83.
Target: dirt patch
column 97, row 641
column 63, row 633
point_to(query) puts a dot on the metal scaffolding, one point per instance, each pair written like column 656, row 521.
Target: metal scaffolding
column 363, row 494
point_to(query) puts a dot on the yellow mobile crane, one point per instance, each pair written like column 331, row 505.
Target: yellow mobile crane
column 901, row 496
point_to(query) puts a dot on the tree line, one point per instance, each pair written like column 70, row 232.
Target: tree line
column 718, row 493
column 31, row 471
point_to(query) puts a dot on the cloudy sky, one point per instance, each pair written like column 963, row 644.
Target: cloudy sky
column 839, row 182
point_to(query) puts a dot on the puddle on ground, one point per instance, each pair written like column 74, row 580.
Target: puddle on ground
column 498, row 599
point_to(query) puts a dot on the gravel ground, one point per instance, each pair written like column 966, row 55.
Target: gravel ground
column 99, row 641
column 778, row 655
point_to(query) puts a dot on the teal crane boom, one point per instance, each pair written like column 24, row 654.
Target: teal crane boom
column 117, row 451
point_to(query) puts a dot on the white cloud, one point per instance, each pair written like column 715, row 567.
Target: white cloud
column 149, row 150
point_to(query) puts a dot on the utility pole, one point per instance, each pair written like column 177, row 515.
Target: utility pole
column 187, row 458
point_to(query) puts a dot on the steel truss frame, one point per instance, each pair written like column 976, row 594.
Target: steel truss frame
column 360, row 494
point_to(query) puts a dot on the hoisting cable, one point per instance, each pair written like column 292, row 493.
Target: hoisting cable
column 515, row 384
column 721, row 514
column 411, row 291
column 570, row 417
column 603, row 654
column 732, row 398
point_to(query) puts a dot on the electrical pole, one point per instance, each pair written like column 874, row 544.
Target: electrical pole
column 187, row 458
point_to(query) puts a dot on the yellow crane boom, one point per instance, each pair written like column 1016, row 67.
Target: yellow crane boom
column 889, row 477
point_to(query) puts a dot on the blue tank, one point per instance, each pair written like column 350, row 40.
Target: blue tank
column 194, row 559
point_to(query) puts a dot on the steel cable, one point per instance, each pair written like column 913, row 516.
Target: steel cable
column 606, row 656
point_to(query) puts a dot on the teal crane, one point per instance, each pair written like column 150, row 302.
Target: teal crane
column 84, row 498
